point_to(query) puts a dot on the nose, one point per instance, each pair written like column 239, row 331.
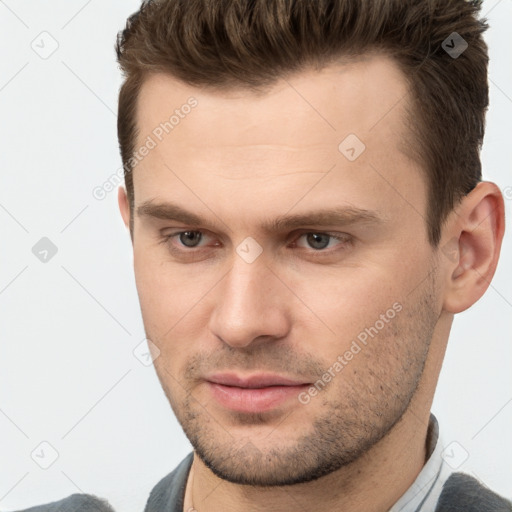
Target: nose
column 252, row 304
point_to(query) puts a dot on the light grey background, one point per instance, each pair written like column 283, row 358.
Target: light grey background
column 68, row 327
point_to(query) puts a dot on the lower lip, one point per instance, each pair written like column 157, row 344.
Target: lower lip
column 254, row 399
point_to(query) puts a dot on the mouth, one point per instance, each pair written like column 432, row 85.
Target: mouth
column 254, row 393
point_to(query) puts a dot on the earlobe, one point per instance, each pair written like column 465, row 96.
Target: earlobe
column 471, row 244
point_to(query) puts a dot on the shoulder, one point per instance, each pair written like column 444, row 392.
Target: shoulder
column 464, row 493
column 73, row 503
column 168, row 493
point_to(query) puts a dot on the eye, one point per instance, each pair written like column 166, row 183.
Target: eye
column 320, row 241
column 188, row 239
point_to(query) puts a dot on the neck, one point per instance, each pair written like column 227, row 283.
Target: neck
column 372, row 483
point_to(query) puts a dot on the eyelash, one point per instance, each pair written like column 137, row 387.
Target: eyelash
column 344, row 240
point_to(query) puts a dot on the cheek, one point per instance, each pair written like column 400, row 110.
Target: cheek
column 347, row 301
column 363, row 314
column 172, row 306
column 166, row 291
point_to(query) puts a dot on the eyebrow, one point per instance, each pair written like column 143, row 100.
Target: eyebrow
column 338, row 216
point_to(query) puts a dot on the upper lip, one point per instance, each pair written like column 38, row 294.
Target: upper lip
column 259, row 380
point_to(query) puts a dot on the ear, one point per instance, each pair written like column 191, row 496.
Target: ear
column 124, row 207
column 470, row 246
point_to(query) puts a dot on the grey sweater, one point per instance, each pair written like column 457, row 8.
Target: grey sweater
column 74, row 503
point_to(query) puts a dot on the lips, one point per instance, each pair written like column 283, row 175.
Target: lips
column 261, row 380
column 254, row 393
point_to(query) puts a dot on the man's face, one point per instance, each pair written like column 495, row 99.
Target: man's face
column 344, row 308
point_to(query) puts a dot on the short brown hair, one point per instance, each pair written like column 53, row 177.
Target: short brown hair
column 226, row 44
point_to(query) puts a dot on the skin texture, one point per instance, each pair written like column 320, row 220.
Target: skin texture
column 239, row 160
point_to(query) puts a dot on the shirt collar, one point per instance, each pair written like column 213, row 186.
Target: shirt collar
column 424, row 493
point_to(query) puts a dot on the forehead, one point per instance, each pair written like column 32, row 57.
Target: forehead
column 240, row 143
column 349, row 96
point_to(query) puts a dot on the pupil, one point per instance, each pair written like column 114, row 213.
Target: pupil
column 313, row 239
column 188, row 236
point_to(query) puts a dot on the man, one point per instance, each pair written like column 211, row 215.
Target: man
column 304, row 198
